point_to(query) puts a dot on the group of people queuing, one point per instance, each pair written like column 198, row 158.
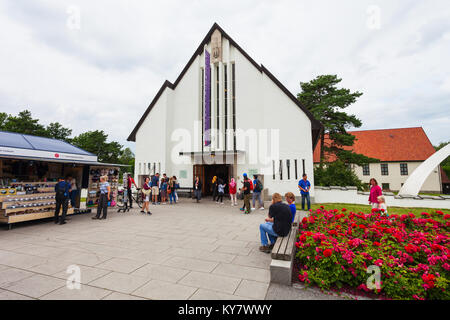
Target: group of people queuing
column 160, row 190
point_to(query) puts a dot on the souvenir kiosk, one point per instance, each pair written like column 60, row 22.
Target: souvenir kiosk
column 30, row 167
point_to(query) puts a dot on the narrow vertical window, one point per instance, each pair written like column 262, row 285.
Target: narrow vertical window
column 303, row 163
column 296, row 169
column 288, row 166
column 273, row 169
column 225, row 101
column 154, row 167
column 233, row 92
column 366, row 170
column 404, row 169
column 281, row 170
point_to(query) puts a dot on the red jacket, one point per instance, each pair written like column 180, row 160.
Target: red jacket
column 233, row 189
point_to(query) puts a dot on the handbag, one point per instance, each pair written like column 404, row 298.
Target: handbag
column 147, row 192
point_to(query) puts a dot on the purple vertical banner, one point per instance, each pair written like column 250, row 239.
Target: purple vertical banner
column 207, row 99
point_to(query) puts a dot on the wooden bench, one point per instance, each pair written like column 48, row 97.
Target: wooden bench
column 283, row 254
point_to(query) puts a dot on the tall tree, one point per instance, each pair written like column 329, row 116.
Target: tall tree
column 326, row 102
column 446, row 163
column 24, row 123
column 96, row 143
column 56, row 131
column 3, row 117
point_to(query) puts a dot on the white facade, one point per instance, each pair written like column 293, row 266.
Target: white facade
column 173, row 124
column 395, row 179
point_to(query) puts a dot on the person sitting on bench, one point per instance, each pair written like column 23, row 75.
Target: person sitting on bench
column 278, row 223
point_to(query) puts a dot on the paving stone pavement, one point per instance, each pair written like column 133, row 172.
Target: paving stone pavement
column 183, row 251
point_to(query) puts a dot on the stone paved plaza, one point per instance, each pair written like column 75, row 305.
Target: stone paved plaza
column 183, row 251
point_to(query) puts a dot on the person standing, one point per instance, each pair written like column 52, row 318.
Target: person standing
column 304, row 185
column 197, row 189
column 171, row 190
column 257, row 189
column 62, row 189
column 105, row 196
column 232, row 189
column 155, row 188
column 73, row 193
column 147, row 191
column 247, row 195
column 130, row 182
column 163, row 191
column 278, row 223
column 375, row 192
column 221, row 190
column 176, row 185
column 214, row 187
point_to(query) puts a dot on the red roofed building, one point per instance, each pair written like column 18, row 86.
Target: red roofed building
column 400, row 151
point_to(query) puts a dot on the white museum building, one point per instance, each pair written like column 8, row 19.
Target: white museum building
column 226, row 115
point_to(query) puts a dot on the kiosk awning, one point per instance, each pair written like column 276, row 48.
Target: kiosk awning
column 27, row 147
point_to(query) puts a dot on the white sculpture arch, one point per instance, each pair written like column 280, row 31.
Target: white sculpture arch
column 415, row 181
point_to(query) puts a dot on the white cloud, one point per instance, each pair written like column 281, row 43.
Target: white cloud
column 104, row 75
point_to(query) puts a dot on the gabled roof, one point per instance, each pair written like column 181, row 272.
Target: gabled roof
column 405, row 144
column 24, row 141
column 315, row 124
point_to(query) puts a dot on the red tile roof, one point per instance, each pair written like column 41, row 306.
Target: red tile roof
column 407, row 144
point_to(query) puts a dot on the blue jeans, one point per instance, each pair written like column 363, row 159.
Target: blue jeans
column 172, row 197
column 257, row 195
column 308, row 200
column 266, row 229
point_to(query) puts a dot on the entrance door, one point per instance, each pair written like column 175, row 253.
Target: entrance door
column 207, row 172
column 199, row 171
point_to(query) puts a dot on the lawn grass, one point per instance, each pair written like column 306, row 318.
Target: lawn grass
column 367, row 208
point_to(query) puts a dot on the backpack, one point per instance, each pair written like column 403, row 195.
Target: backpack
column 61, row 190
column 259, row 186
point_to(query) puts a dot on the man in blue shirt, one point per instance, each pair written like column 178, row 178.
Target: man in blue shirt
column 304, row 185
column 155, row 188
column 62, row 189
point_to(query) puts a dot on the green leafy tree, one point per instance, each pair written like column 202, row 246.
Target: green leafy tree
column 96, row 143
column 56, row 131
column 337, row 173
column 326, row 102
column 23, row 123
column 3, row 117
column 127, row 158
column 446, row 163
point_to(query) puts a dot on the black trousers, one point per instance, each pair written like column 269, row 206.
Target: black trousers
column 102, row 206
column 64, row 203
column 220, row 197
column 130, row 199
column 214, row 194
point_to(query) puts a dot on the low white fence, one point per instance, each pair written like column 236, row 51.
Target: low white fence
column 352, row 196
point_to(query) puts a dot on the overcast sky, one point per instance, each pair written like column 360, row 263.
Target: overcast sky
column 103, row 72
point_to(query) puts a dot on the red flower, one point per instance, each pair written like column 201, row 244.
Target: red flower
column 377, row 244
column 447, row 216
column 362, row 226
column 343, row 209
column 327, row 253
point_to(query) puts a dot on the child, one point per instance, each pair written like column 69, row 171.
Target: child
column 290, row 198
column 221, row 190
column 233, row 191
column 382, row 204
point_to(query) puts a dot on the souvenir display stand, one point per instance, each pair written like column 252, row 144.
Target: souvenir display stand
column 25, row 201
column 95, row 172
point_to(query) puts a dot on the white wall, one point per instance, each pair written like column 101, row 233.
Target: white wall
column 352, row 196
column 395, row 179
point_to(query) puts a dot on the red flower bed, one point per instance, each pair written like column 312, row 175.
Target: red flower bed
column 341, row 248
